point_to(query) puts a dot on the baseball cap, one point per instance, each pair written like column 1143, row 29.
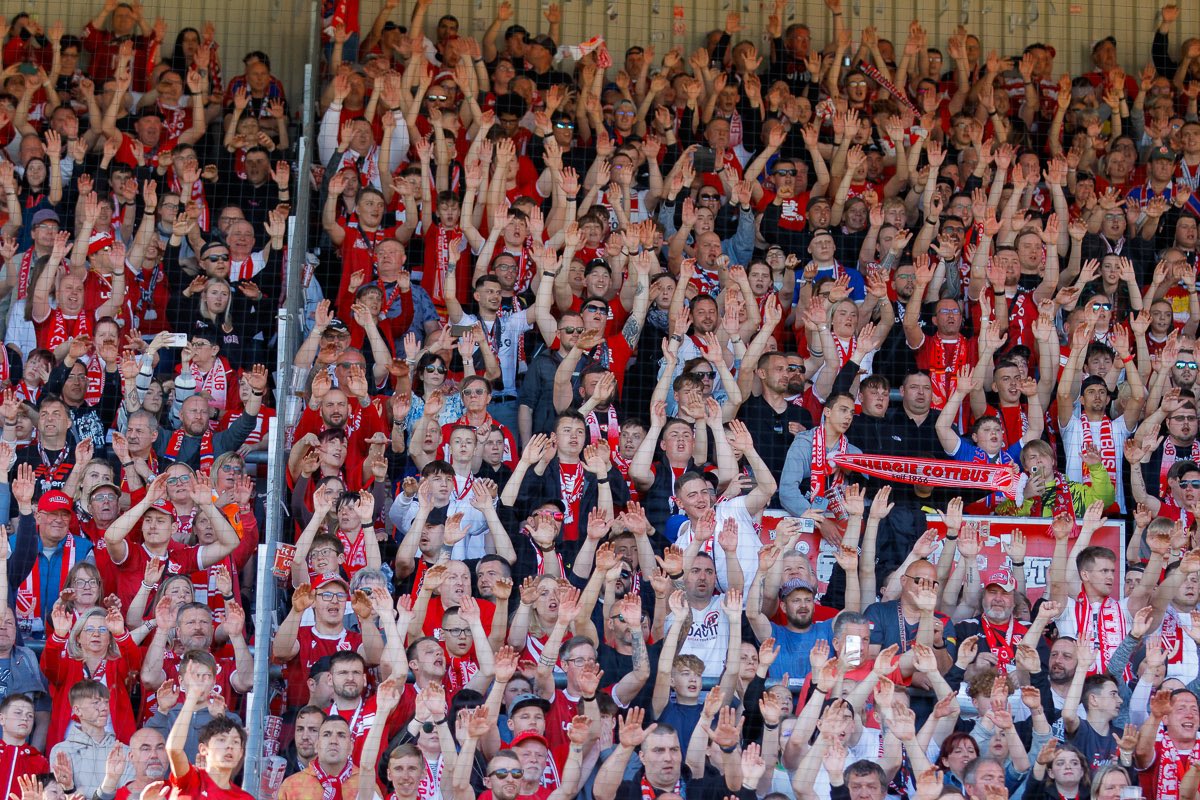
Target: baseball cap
column 793, row 585
column 45, row 215
column 544, row 41
column 513, row 30
column 528, row 736
column 213, row 245
column 98, row 242
column 105, row 485
column 1162, row 153
column 337, row 326
column 1106, row 40
column 1002, row 577
column 163, row 506
column 54, row 500
column 330, row 577
column 523, row 700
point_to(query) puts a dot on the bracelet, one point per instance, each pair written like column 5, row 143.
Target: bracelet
column 675, row 577
column 603, row 480
column 127, row 464
column 1127, row 359
column 1018, row 563
column 768, row 726
column 675, row 337
column 150, row 586
column 227, row 596
column 939, row 647
column 548, row 274
column 953, row 538
column 591, row 699
column 730, row 749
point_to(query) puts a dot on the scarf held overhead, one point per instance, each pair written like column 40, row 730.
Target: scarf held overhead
column 934, row 472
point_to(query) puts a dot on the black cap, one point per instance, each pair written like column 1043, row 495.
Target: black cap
column 1090, row 381
column 513, row 30
column 523, row 700
column 337, row 326
column 544, row 41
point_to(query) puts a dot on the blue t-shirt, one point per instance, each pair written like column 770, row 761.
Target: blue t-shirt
column 795, row 646
column 971, row 453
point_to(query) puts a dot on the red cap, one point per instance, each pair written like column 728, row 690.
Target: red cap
column 163, row 505
column 529, row 736
column 55, row 500
column 98, row 242
column 1001, row 577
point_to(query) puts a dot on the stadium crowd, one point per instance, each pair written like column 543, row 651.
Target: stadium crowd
column 602, row 484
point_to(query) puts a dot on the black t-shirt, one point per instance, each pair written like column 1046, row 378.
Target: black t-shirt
column 770, row 429
column 50, row 470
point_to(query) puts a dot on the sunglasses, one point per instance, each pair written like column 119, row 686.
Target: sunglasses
column 1185, row 365
column 566, row 126
column 432, row 368
column 703, row 375
column 474, row 392
column 516, row 773
column 1101, row 306
column 704, row 197
column 438, row 98
column 570, row 329
column 785, row 173
column 1192, row 484
column 596, row 309
column 215, row 259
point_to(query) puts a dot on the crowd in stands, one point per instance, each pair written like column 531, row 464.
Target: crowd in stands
column 595, row 353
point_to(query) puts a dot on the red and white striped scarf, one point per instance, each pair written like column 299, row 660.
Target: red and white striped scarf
column 1110, row 632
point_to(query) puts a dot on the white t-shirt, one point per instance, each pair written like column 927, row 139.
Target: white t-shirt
column 708, row 638
column 504, row 333
column 749, row 542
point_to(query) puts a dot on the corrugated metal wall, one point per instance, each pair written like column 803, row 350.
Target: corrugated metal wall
column 1006, row 25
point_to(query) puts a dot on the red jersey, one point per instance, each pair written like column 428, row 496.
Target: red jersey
column 126, row 578
column 17, row 761
column 196, row 785
column 313, row 646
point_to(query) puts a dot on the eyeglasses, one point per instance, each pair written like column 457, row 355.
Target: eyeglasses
column 474, row 392
column 626, row 113
column 785, row 173
column 437, row 98
column 596, row 309
column 566, row 126
column 570, row 329
column 231, row 468
column 1185, row 365
column 215, row 259
column 323, row 553
column 94, row 629
column 909, row 276
column 953, row 229
column 104, row 497
column 1183, row 418
column 507, row 266
column 333, row 596
column 795, row 368
column 432, row 368
column 1101, row 306
column 456, row 631
column 178, row 479
column 349, row 364
column 1192, row 484
column 948, row 312
column 515, row 773
column 580, row 661
column 1113, row 217
column 85, row 583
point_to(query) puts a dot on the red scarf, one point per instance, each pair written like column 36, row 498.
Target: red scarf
column 845, row 350
column 648, row 792
column 196, row 193
column 206, row 448
column 1172, row 634
column 331, row 786
column 1109, row 634
column 1106, row 444
column 29, row 594
column 215, row 382
column 1002, row 642
column 23, row 274
column 459, row 673
column 1170, row 764
column 60, row 332
column 943, row 368
column 824, row 479
column 612, row 432
column 95, row 380
column 570, row 480
column 355, row 552
column 1062, row 502
column 1169, row 458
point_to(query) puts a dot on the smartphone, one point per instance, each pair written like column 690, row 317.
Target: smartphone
column 460, row 330
column 704, row 159
column 177, row 340
column 853, row 650
column 820, row 504
column 845, row 62
column 1131, row 793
